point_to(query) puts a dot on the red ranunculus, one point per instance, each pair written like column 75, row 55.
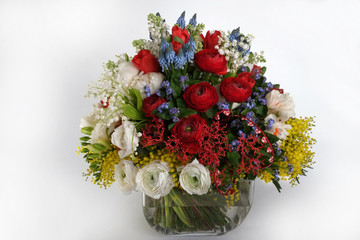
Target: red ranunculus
column 256, row 69
column 151, row 103
column 246, row 76
column 146, row 62
column 235, row 89
column 183, row 34
column 189, row 132
column 211, row 40
column 209, row 60
column 201, row 97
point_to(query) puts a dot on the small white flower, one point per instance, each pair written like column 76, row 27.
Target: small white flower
column 125, row 137
column 195, row 178
column 125, row 175
column 154, row 179
column 281, row 104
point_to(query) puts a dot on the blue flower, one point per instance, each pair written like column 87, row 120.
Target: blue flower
column 193, row 20
column 234, row 144
column 170, row 55
column 235, row 35
column 181, row 21
column 165, row 84
column 169, row 91
column 189, row 49
column 243, row 69
column 276, row 174
column 183, row 79
column 270, row 124
column 251, row 116
column 223, row 105
column 291, row 168
column 163, row 106
column 262, row 101
column 236, row 124
column 174, row 111
column 158, row 92
column 179, row 60
column 184, row 87
column 175, row 119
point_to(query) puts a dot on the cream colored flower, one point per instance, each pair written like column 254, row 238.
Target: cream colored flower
column 280, row 104
column 126, row 72
column 277, row 128
column 154, row 179
column 195, row 178
column 126, row 138
column 125, row 175
column 153, row 80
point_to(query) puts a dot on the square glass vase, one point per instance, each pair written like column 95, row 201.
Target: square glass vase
column 180, row 213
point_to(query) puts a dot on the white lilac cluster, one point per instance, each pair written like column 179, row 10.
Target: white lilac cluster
column 156, row 181
column 235, row 47
column 158, row 29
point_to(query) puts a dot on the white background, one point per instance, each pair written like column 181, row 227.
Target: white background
column 51, row 50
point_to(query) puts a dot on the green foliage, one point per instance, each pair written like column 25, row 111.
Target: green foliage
column 87, row 130
column 233, row 157
column 133, row 113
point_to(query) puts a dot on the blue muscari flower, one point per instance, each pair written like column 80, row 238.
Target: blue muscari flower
column 181, row 21
column 162, row 61
column 189, row 49
column 175, row 119
column 193, row 20
column 223, row 105
column 147, row 90
column 175, row 111
column 169, row 91
column 164, row 44
column 165, row 84
column 170, row 55
column 179, row 60
column 183, row 79
column 235, row 35
column 270, row 124
column 291, row 168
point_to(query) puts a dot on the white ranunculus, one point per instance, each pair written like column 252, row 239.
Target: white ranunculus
column 154, row 179
column 125, row 175
column 281, row 104
column 278, row 128
column 126, row 72
column 195, row 178
column 126, row 138
column 153, row 80
column 99, row 133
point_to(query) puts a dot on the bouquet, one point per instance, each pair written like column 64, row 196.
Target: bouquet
column 192, row 114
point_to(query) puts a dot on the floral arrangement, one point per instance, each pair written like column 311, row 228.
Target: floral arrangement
column 192, row 111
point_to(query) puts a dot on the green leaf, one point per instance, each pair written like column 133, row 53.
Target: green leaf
column 84, row 144
column 230, row 136
column 176, row 86
column 187, row 112
column 171, row 125
column 139, row 100
column 99, row 146
column 127, row 57
column 133, row 113
column 179, row 40
column 272, row 138
column 233, row 157
column 87, row 130
column 196, row 75
column 85, row 139
column 277, row 185
column 263, row 70
column 211, row 112
column 180, row 103
column 261, row 110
